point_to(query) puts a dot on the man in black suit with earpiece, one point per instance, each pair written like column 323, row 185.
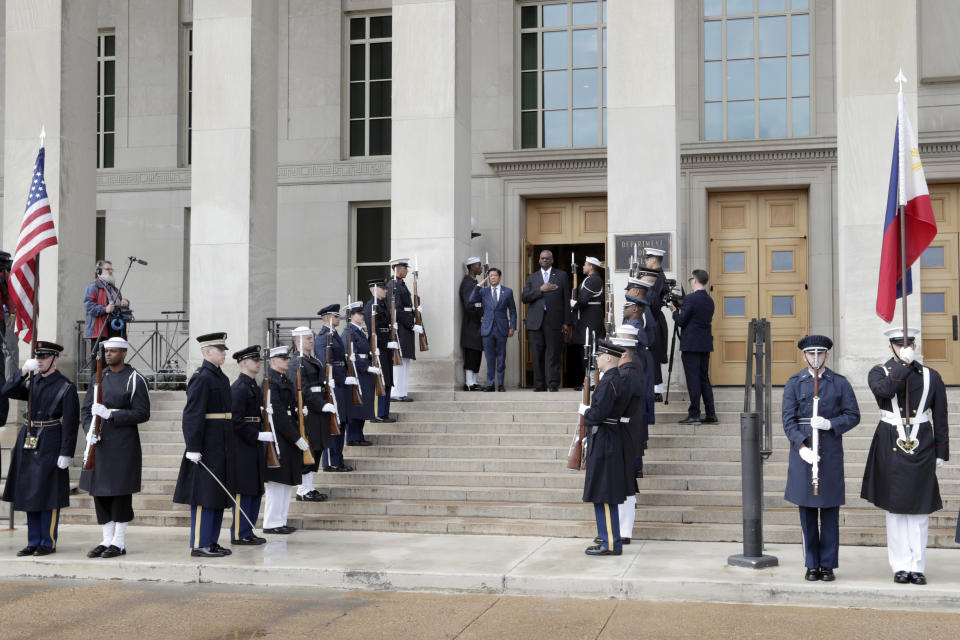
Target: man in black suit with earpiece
column 547, row 292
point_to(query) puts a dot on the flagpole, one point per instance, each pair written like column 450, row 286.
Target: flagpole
column 33, row 314
column 902, row 214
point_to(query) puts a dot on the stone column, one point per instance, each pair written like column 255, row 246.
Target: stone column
column 233, row 231
column 51, row 52
column 642, row 191
column 430, row 188
column 867, row 63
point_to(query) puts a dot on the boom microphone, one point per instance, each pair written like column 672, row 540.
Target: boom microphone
column 137, row 260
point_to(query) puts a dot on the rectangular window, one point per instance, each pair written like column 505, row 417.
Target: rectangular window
column 371, row 247
column 106, row 97
column 562, row 79
column 186, row 96
column 100, row 248
column 369, row 84
column 756, row 69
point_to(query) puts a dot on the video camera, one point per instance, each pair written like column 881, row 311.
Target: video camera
column 672, row 294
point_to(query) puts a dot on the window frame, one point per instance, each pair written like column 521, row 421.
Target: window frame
column 354, row 265
column 347, row 82
column 102, row 60
column 186, row 95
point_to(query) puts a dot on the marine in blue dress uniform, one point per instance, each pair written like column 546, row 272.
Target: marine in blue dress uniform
column 313, row 388
column 332, row 458
column 250, row 465
column 837, row 413
column 604, row 478
column 38, row 481
column 385, row 348
column 359, row 355
column 119, row 459
column 907, row 448
column 208, row 434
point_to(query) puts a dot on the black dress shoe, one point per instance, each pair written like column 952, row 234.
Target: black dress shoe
column 466, row 388
column 223, row 550
column 363, row 443
column 476, row 387
column 500, row 388
column 598, row 550
column 554, row 389
column 539, row 389
column 344, row 468
column 917, row 578
column 278, row 530
column 710, row 420
column 689, row 420
column 44, row 551
column 826, row 574
column 489, row 389
column 404, row 399
column 386, row 420
column 314, row 495
column 597, row 540
column 579, row 387
column 249, row 540
column 206, row 552
column 288, row 529
column 113, row 551
column 26, row 551
column 658, row 397
column 328, row 469
column 96, row 552
column 625, row 540
column 901, row 577
column 638, row 474
column 812, row 575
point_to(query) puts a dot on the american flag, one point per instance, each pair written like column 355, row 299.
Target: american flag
column 36, row 234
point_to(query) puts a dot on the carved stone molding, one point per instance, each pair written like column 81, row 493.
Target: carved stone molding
column 143, row 180
column 548, row 161
column 759, row 152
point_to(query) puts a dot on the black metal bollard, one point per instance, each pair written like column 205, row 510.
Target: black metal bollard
column 752, row 497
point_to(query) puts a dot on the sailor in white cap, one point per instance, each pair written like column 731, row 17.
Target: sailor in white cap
column 588, row 309
column 400, row 305
column 910, row 443
column 653, row 259
column 470, row 340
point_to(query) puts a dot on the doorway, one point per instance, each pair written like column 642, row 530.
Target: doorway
column 940, row 285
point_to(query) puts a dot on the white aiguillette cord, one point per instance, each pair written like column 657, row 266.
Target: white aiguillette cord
column 895, row 405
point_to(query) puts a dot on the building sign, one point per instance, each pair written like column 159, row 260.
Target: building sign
column 624, row 246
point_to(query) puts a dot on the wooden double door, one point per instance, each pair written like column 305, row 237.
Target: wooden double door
column 940, row 286
column 758, row 269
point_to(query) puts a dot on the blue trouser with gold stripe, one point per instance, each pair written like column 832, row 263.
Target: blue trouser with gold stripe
column 241, row 528
column 608, row 526
column 204, row 526
column 42, row 528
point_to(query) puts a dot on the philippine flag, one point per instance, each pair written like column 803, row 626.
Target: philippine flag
column 907, row 187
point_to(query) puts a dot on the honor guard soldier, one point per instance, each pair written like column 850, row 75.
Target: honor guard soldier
column 355, row 336
column 250, row 464
column 38, row 481
column 332, row 458
column 470, row 340
column 831, row 410
column 636, row 314
column 589, row 309
column 653, row 259
column 313, row 388
column 115, row 477
column 603, row 483
column 208, row 434
column 632, row 427
column 400, row 300
column 910, row 443
column 281, row 408
column 639, row 412
column 375, row 311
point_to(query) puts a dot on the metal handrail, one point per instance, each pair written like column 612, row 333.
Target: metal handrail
column 158, row 350
column 279, row 328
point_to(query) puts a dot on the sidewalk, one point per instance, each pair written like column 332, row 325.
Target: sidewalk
column 508, row 565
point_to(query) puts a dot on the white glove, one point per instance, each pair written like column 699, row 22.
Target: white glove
column 419, row 309
column 92, row 438
column 395, row 327
column 101, row 410
column 417, row 328
column 331, row 383
column 193, row 456
column 302, row 444
column 376, row 352
column 819, row 422
column 306, row 411
column 265, row 436
column 270, row 410
column 807, row 454
column 939, row 462
column 350, row 381
column 353, row 357
column 30, row 366
column 573, row 304
column 374, row 370
column 329, row 408
column 907, row 354
column 583, row 409
column 393, row 345
column 63, row 462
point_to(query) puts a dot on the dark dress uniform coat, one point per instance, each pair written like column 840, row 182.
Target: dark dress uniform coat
column 604, row 478
column 660, row 345
column 397, row 288
column 208, row 392
column 383, row 337
column 472, row 314
column 590, row 309
column 250, row 461
column 645, row 337
column 338, row 355
column 894, row 480
column 838, row 404
column 34, row 481
column 313, row 386
column 360, row 347
column 283, row 399
column 119, row 461
column 633, row 433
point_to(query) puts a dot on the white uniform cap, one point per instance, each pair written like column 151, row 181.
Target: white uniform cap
column 301, row 331
column 650, row 251
column 594, row 262
column 624, row 342
column 896, row 333
column 629, row 329
column 115, row 343
column 471, row 260
column 280, row 352
column 353, row 307
column 399, row 261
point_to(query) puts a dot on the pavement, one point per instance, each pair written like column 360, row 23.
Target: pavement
column 498, row 565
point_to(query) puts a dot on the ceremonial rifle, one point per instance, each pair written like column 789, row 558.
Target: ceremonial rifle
column 611, row 322
column 417, row 316
column 352, row 369
column 308, row 458
column 573, row 291
column 394, row 338
column 576, row 460
column 273, row 448
column 815, row 435
column 375, row 347
column 331, row 397
column 486, row 268
column 90, row 453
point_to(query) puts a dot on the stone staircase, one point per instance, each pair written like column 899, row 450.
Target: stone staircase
column 459, row 462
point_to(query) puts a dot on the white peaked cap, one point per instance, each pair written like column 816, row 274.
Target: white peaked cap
column 628, row 328
column 471, row 260
column 301, row 331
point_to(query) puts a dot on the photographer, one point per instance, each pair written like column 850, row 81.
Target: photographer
column 696, row 342
column 103, row 303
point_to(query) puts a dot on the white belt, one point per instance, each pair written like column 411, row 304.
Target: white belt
column 478, row 304
column 896, row 419
column 625, row 420
column 597, row 303
column 408, row 308
column 315, row 389
column 362, row 356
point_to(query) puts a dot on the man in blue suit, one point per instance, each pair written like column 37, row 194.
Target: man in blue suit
column 495, row 326
column 696, row 342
